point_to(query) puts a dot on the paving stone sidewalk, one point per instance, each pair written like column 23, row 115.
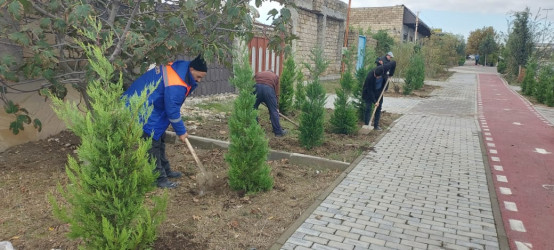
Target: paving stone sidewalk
column 424, row 186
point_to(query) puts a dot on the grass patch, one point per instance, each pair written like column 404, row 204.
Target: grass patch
column 218, row 106
column 330, row 86
column 192, row 118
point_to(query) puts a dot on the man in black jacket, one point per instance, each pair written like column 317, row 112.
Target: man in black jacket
column 383, row 60
column 374, row 85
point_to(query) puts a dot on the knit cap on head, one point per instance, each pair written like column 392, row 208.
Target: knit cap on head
column 199, row 64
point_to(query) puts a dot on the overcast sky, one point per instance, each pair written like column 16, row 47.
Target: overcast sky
column 456, row 16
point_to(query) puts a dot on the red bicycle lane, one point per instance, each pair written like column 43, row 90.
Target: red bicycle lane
column 520, row 149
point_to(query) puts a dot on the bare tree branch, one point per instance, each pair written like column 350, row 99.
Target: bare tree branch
column 113, row 13
column 42, row 11
column 124, row 36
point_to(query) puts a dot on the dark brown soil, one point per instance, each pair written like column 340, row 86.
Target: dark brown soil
column 336, row 146
column 222, row 219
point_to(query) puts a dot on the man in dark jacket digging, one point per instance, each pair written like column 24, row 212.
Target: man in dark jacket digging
column 176, row 81
column 374, row 85
column 384, row 60
column 267, row 91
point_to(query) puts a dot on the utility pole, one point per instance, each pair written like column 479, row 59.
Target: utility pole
column 345, row 36
column 416, row 24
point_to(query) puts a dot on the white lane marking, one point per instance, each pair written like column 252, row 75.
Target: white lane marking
column 486, row 129
column 517, row 225
column 517, row 123
column 495, row 158
column 505, row 191
column 510, row 206
column 501, row 178
column 548, row 187
column 488, row 138
column 523, row 245
column 542, row 151
column 507, row 109
column 493, row 151
column 488, row 133
column 498, row 168
column 490, row 144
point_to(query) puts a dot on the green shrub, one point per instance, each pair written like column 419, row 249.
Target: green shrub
column 312, row 116
column 288, row 77
column 248, row 148
column 344, row 119
column 361, row 74
column 384, row 42
column 313, row 109
column 545, row 85
column 461, row 61
column 300, row 95
column 402, row 54
column 106, row 193
column 502, row 67
column 358, row 102
column 529, row 82
column 415, row 74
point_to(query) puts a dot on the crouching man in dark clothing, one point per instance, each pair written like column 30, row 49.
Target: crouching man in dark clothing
column 267, row 91
column 374, row 85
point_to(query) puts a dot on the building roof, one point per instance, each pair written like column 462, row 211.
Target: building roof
column 410, row 20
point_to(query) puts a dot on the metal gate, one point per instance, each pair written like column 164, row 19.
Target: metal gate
column 216, row 81
column 262, row 59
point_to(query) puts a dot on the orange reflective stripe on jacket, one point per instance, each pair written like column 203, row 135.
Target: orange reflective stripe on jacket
column 171, row 78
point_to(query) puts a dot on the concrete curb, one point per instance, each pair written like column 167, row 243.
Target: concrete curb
column 294, row 158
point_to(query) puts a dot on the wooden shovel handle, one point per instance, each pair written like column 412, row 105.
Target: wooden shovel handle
column 191, row 149
column 378, row 100
column 286, row 118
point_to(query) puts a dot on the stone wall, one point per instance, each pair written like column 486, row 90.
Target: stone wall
column 334, row 41
column 319, row 23
column 379, row 18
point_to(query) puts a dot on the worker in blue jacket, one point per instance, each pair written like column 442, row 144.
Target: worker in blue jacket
column 176, row 81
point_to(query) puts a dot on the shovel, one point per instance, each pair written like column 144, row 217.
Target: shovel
column 286, row 118
column 366, row 131
column 204, row 179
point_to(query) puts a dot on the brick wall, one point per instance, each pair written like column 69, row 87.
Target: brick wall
column 319, row 23
column 333, row 44
column 379, row 18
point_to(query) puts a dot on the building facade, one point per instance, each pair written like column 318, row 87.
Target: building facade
column 399, row 21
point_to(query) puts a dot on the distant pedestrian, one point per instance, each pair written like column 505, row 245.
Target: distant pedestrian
column 374, row 85
column 477, row 59
column 267, row 91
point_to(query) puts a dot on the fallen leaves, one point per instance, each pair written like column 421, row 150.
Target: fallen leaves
column 234, row 224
